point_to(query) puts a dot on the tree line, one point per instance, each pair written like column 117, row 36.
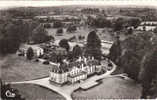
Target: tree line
column 116, row 24
column 15, row 32
column 137, row 56
column 92, row 48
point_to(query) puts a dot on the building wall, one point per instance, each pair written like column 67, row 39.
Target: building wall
column 90, row 69
column 147, row 28
column 74, row 74
column 77, row 78
column 59, row 77
column 149, row 22
column 75, row 71
column 98, row 68
column 37, row 51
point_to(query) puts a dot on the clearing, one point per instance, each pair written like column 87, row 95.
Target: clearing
column 35, row 92
column 15, row 68
column 111, row 88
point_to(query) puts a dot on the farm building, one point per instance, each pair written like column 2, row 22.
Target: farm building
column 38, row 51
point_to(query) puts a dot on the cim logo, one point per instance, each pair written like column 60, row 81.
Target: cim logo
column 9, row 94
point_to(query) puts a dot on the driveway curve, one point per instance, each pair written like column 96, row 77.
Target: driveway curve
column 67, row 90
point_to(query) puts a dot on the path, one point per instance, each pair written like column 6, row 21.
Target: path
column 67, row 90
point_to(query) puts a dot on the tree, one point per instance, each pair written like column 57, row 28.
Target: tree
column 53, row 57
column 93, row 46
column 130, row 63
column 148, row 73
column 155, row 30
column 70, row 56
column 118, row 24
column 57, row 24
column 30, row 53
column 138, row 59
column 64, row 44
column 128, row 55
column 13, row 33
column 59, row 58
column 80, row 37
column 134, row 22
column 115, row 51
column 50, row 38
column 129, row 31
column 77, row 51
column 47, row 25
column 101, row 22
column 10, row 38
column 71, row 28
column 144, row 28
column 71, row 39
column 59, row 32
column 39, row 35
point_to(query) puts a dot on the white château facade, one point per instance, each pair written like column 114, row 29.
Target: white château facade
column 74, row 71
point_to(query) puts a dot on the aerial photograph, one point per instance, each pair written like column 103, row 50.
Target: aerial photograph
column 78, row 52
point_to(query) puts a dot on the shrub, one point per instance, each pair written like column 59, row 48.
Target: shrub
column 36, row 60
column 60, row 30
column 46, row 62
column 71, row 29
column 57, row 24
column 47, row 25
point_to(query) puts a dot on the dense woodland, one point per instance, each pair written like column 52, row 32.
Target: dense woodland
column 146, row 14
column 137, row 56
column 13, row 33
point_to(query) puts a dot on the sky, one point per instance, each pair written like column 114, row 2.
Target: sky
column 39, row 3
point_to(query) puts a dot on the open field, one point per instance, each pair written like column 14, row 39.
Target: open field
column 35, row 92
column 111, row 88
column 15, row 68
column 82, row 31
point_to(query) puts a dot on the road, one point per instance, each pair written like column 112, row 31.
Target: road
column 67, row 90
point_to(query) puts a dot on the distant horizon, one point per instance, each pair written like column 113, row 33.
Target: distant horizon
column 55, row 3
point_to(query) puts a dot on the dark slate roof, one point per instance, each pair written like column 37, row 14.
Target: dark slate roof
column 67, row 67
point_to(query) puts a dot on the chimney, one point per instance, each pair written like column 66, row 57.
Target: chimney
column 80, row 58
column 92, row 58
column 85, row 60
column 82, row 65
column 58, row 65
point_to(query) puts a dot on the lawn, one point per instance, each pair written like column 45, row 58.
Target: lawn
column 111, row 88
column 35, row 92
column 83, row 32
column 15, row 68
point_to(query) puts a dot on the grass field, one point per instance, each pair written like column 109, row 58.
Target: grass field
column 82, row 31
column 35, row 92
column 111, row 88
column 15, row 68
